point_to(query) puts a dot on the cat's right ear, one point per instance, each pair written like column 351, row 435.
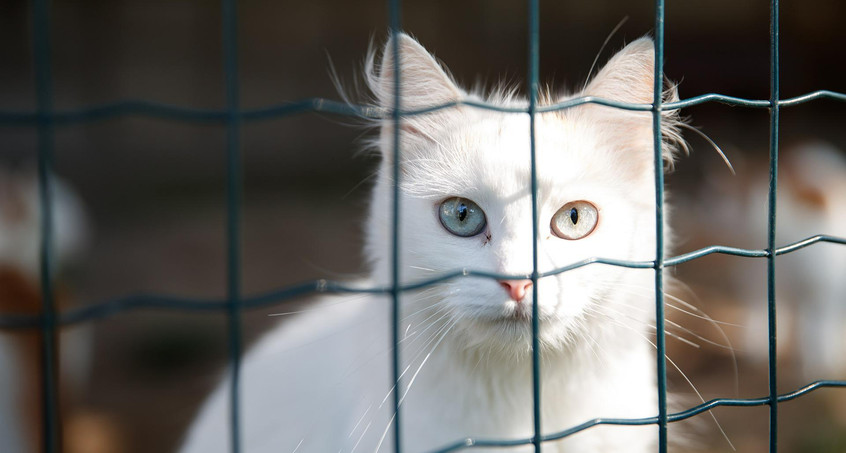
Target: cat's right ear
column 423, row 82
column 628, row 76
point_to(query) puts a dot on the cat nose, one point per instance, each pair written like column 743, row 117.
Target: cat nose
column 516, row 288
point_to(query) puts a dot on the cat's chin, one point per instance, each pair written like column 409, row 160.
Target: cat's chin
column 509, row 331
column 518, row 319
column 514, row 312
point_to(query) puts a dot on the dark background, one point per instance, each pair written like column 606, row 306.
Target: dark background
column 154, row 188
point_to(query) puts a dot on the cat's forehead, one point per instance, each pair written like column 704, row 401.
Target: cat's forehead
column 564, row 147
column 489, row 154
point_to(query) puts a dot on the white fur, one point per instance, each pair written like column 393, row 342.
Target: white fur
column 321, row 382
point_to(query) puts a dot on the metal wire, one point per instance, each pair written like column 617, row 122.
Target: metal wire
column 45, row 118
column 128, row 304
column 320, row 105
column 51, row 424
column 394, row 18
column 233, row 216
column 771, row 226
column 674, row 417
column 534, row 46
column 658, row 169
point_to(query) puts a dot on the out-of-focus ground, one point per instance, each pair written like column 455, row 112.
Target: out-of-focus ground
column 154, row 189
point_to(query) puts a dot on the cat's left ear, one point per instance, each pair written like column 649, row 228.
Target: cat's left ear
column 629, row 75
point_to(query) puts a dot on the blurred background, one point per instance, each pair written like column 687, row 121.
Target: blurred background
column 145, row 197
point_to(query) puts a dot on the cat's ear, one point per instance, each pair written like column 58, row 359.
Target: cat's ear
column 423, row 82
column 629, row 75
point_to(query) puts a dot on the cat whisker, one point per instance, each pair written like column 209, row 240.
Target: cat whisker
column 701, row 399
column 442, row 335
column 359, row 184
column 414, row 336
column 482, row 354
column 696, row 312
column 727, row 347
column 363, row 432
column 676, row 336
column 425, row 359
column 422, row 348
column 315, row 307
column 702, row 317
column 712, row 143
column 593, row 344
column 431, row 338
column 428, row 295
column 393, row 389
column 716, row 324
column 359, row 421
column 691, row 309
column 417, row 336
column 601, row 48
column 385, row 433
column 437, row 304
column 682, row 373
column 440, row 312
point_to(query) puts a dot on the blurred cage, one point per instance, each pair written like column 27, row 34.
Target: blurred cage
column 48, row 123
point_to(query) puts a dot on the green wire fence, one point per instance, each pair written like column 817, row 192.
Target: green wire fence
column 45, row 119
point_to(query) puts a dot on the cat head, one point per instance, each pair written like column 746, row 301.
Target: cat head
column 466, row 199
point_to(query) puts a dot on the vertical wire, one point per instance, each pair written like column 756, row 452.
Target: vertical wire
column 771, row 226
column 395, row 28
column 534, row 39
column 233, row 213
column 46, row 144
column 659, row 225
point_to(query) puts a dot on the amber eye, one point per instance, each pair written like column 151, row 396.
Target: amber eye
column 575, row 220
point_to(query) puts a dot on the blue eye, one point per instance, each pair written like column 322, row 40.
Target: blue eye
column 462, row 217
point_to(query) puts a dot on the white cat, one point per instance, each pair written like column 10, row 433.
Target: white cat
column 321, row 382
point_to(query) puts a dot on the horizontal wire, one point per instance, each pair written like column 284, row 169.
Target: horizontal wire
column 320, row 105
column 674, row 417
column 173, row 303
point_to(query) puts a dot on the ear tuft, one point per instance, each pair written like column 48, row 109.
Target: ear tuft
column 628, row 76
column 423, row 82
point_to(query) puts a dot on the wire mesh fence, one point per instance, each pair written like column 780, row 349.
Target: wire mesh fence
column 46, row 118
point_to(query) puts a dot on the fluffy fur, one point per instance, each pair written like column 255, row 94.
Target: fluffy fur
column 320, row 383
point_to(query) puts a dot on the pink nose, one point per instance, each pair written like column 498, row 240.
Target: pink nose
column 516, row 288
